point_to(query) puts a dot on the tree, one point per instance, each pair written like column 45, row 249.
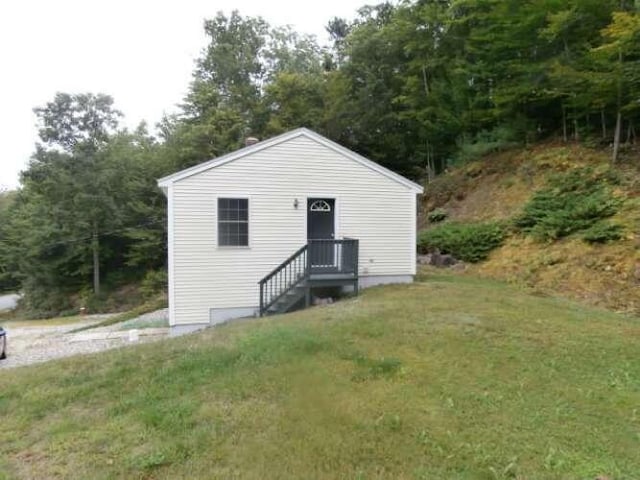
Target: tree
column 235, row 89
column 77, row 121
column 619, row 59
column 77, row 184
column 294, row 100
column 8, row 280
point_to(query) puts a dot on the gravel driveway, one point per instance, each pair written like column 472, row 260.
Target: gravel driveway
column 40, row 343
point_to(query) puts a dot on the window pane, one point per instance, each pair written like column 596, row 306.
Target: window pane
column 243, row 211
column 223, row 214
column 233, row 222
column 223, row 234
column 230, row 209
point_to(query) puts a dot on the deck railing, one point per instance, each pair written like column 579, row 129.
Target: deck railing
column 333, row 256
column 317, row 257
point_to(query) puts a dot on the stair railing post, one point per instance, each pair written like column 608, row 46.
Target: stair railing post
column 307, row 274
column 356, row 247
column 261, row 298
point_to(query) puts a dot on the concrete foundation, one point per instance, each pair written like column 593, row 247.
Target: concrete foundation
column 374, row 280
column 177, row 330
column 222, row 315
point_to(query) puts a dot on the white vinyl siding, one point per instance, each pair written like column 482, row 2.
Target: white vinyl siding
column 371, row 207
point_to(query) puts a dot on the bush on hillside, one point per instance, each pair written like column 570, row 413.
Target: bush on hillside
column 437, row 215
column 603, row 232
column 468, row 242
column 572, row 202
column 44, row 300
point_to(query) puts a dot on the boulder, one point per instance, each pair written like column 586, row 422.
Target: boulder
column 424, row 259
column 440, row 260
column 321, row 301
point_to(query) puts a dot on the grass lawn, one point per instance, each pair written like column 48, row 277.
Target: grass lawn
column 452, row 377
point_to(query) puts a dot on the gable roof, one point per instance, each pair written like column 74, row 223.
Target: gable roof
column 300, row 132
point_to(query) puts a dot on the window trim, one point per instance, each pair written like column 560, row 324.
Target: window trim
column 232, row 196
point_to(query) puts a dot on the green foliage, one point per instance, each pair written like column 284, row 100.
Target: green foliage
column 154, row 283
column 8, row 278
column 468, row 242
column 486, row 142
column 574, row 201
column 43, row 299
column 437, row 215
column 603, row 232
column 77, row 121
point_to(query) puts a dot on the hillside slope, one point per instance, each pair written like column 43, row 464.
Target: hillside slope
column 498, row 187
column 450, row 377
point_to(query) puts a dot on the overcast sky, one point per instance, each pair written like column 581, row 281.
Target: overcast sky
column 141, row 52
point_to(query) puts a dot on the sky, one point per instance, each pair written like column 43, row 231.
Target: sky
column 141, row 52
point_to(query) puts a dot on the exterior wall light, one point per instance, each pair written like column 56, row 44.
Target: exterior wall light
column 295, row 203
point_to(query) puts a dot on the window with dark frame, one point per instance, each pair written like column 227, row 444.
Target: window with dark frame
column 233, row 222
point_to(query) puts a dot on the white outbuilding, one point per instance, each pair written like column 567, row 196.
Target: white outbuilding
column 255, row 231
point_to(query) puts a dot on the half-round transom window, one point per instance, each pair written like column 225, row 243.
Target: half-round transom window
column 320, row 206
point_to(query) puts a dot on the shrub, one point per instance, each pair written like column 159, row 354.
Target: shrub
column 469, row 242
column 603, row 232
column 437, row 215
column 485, row 142
column 572, row 202
column 154, row 283
column 43, row 300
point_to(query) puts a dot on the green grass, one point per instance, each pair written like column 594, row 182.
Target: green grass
column 452, row 377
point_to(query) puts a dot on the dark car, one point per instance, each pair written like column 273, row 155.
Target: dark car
column 3, row 344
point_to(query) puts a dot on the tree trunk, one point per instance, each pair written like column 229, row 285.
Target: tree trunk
column 430, row 164
column 604, row 124
column 564, row 124
column 424, row 79
column 95, row 246
column 616, row 138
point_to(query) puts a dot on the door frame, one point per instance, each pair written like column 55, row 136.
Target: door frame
column 336, row 214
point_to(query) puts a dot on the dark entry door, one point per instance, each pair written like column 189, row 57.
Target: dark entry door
column 321, row 226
